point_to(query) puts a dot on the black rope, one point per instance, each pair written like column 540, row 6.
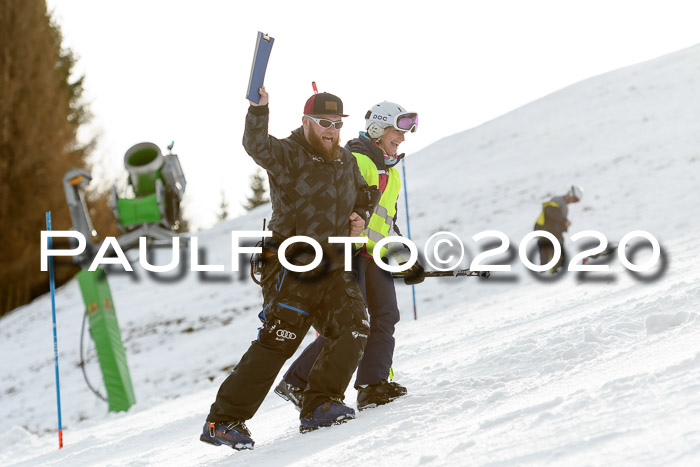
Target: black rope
column 82, row 360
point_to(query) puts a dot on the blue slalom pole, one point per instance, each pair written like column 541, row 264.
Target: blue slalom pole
column 55, row 339
column 408, row 228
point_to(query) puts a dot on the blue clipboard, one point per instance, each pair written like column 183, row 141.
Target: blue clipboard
column 263, row 47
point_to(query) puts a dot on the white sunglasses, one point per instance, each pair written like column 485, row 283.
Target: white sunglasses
column 325, row 123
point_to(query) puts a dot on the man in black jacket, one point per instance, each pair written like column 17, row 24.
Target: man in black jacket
column 554, row 220
column 316, row 191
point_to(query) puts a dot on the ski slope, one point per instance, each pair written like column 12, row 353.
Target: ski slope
column 597, row 368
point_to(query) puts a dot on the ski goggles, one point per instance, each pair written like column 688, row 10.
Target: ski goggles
column 405, row 121
column 325, row 123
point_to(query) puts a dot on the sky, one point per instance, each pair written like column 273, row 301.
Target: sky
column 163, row 71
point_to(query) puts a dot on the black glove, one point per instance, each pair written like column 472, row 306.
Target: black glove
column 415, row 275
column 367, row 202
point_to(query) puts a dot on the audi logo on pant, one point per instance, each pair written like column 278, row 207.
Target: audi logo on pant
column 284, row 334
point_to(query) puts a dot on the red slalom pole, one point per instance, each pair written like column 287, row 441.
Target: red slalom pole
column 313, row 85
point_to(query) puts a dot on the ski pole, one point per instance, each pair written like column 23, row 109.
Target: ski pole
column 408, row 230
column 455, row 273
column 55, row 339
column 612, row 249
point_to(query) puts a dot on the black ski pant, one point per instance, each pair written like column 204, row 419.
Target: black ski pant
column 333, row 304
column 377, row 287
column 547, row 251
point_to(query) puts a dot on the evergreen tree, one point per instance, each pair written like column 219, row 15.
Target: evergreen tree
column 41, row 110
column 258, row 185
column 223, row 208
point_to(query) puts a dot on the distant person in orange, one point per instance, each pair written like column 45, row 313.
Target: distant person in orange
column 555, row 221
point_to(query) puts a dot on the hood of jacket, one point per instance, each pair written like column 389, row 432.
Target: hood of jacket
column 364, row 145
column 298, row 137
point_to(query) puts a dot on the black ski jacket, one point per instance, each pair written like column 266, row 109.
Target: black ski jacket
column 309, row 196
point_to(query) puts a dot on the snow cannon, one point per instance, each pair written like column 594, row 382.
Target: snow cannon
column 99, row 308
column 74, row 183
column 144, row 162
column 158, row 184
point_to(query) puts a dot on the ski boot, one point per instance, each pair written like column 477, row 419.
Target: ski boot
column 326, row 414
column 290, row 393
column 234, row 434
column 372, row 395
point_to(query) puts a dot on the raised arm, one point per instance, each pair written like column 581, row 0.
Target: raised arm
column 268, row 152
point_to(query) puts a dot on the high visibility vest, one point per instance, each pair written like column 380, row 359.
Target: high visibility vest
column 382, row 219
column 540, row 220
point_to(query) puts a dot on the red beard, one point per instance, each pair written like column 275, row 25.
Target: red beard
column 317, row 144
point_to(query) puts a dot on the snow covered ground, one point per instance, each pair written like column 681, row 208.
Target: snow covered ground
column 601, row 368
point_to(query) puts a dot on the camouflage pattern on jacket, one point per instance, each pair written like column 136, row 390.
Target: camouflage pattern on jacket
column 309, row 196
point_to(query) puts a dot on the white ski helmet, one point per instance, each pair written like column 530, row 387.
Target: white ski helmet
column 576, row 192
column 387, row 114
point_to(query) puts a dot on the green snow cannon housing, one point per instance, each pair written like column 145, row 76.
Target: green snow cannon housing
column 158, row 184
column 144, row 163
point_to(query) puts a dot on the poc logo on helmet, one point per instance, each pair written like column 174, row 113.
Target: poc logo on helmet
column 284, row 334
column 379, row 118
